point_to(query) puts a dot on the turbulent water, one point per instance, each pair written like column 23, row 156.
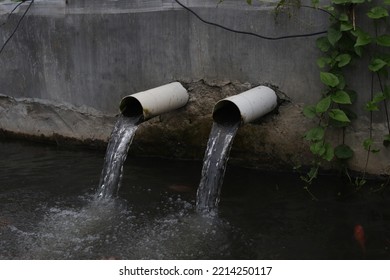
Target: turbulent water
column 118, row 147
column 214, row 165
column 102, row 226
column 49, row 210
column 109, row 229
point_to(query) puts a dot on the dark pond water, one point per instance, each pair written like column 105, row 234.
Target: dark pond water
column 48, row 211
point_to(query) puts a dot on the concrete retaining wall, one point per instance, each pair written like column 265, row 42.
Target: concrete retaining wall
column 94, row 52
column 91, row 53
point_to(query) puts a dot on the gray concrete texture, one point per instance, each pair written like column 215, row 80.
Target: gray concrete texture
column 91, row 53
column 94, row 52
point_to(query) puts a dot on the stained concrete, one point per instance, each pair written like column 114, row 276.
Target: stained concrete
column 91, row 53
column 94, row 52
column 40, row 118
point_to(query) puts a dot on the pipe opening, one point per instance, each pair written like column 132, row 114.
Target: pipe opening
column 226, row 112
column 131, row 107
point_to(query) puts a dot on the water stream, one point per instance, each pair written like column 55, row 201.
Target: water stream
column 214, row 165
column 118, row 147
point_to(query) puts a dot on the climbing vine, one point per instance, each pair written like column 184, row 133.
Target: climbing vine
column 347, row 42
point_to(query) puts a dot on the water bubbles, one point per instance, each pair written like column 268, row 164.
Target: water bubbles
column 105, row 228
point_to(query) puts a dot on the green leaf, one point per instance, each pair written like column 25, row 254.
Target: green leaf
column 377, row 64
column 362, row 41
column 310, row 111
column 329, row 79
column 368, row 146
column 315, row 134
column 338, row 124
column 343, row 60
column 346, row 26
column 323, row 61
column 372, row 106
column 341, row 97
column 377, row 13
column 323, row 105
column 341, row 84
column 338, row 115
column 343, row 17
column 359, row 51
column 379, row 97
column 363, row 38
column 383, row 40
column 368, row 143
column 249, row 2
column 386, row 2
column 323, row 44
column 329, row 152
column 386, row 140
column 343, row 152
column 318, row 148
column 328, row 8
column 334, row 35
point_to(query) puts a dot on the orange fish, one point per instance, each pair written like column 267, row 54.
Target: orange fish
column 358, row 235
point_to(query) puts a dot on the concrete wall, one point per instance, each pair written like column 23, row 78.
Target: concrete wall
column 91, row 53
column 94, row 52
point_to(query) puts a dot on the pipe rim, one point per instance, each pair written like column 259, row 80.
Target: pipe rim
column 226, row 112
column 131, row 107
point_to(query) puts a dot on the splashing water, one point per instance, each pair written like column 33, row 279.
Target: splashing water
column 110, row 229
column 214, row 165
column 49, row 210
column 72, row 232
column 118, row 147
column 100, row 227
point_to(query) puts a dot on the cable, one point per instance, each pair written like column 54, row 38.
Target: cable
column 318, row 9
column 13, row 10
column 17, row 26
column 250, row 33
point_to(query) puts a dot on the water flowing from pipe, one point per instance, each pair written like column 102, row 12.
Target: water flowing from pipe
column 214, row 165
column 116, row 153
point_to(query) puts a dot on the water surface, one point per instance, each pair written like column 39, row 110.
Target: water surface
column 48, row 210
